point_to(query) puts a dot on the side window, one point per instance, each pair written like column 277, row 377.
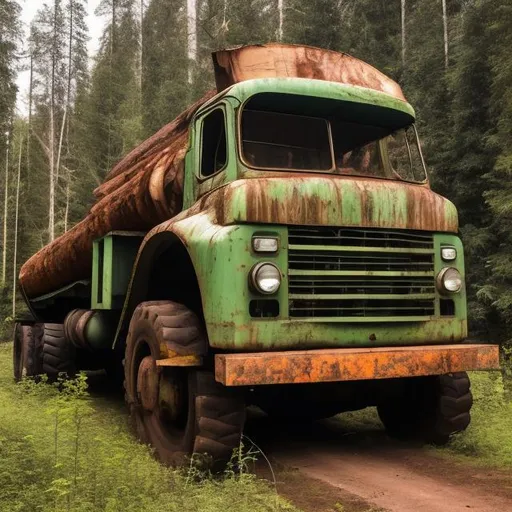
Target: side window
column 399, row 155
column 404, row 155
column 418, row 170
column 214, row 150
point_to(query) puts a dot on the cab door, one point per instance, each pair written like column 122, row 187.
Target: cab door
column 213, row 150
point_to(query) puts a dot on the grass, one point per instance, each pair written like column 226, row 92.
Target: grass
column 60, row 451
column 488, row 440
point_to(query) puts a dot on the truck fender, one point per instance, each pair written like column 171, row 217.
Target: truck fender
column 156, row 242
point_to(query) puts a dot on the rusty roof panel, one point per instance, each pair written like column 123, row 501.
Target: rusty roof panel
column 285, row 61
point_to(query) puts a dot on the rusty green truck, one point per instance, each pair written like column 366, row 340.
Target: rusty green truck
column 277, row 245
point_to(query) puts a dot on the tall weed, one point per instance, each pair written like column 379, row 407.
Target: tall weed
column 60, row 451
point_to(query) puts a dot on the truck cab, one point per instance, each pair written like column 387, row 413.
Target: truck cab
column 324, row 221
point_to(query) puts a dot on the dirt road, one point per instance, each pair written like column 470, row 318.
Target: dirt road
column 374, row 473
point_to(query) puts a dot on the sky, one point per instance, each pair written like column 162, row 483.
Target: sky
column 30, row 7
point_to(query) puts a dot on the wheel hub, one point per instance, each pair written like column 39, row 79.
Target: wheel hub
column 171, row 396
column 160, row 389
column 147, row 383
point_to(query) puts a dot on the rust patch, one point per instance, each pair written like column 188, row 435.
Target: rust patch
column 319, row 200
column 286, row 60
column 180, row 361
column 310, row 366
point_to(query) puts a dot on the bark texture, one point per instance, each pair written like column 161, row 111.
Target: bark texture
column 142, row 190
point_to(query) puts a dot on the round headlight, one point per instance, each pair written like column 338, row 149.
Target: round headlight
column 449, row 280
column 266, row 278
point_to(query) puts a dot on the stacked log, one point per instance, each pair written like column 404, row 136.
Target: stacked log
column 141, row 191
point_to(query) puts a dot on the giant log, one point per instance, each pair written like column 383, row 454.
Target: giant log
column 143, row 190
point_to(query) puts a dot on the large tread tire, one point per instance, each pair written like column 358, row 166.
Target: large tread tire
column 220, row 416
column 432, row 409
column 27, row 350
column 58, row 352
column 453, row 407
column 213, row 421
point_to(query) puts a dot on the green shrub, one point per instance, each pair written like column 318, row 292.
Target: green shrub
column 59, row 451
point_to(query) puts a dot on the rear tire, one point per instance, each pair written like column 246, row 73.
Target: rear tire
column 58, row 352
column 179, row 411
column 27, row 350
column 430, row 409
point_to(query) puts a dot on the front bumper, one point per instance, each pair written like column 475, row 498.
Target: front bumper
column 349, row 364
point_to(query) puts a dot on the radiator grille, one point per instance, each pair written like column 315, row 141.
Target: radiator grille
column 346, row 274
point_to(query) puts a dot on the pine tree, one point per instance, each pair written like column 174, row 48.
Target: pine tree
column 316, row 23
column 497, row 291
column 372, row 31
column 113, row 116
column 165, row 91
column 9, row 42
column 49, row 40
column 77, row 82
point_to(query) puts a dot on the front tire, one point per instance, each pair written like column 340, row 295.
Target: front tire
column 430, row 409
column 179, row 411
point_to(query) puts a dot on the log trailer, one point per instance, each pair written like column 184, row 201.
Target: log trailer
column 278, row 244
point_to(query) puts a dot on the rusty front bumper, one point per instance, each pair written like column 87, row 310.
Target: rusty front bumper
column 345, row 364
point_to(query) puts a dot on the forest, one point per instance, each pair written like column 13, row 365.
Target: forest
column 452, row 58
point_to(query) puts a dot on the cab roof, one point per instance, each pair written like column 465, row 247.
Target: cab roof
column 320, row 98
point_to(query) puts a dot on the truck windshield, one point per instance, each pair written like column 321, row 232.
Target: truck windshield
column 278, row 141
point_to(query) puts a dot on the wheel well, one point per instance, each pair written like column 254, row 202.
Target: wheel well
column 173, row 277
column 164, row 272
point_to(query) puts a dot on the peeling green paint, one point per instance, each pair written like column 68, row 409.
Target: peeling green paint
column 220, row 218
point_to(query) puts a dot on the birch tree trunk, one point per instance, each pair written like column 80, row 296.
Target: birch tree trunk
column 6, row 200
column 16, row 216
column 30, row 96
column 68, row 193
column 68, row 91
column 403, row 31
column 68, row 106
column 280, row 7
column 113, row 29
column 111, row 64
column 445, row 33
column 192, row 37
column 141, row 50
column 51, row 144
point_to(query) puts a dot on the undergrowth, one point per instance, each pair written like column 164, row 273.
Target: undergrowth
column 488, row 440
column 60, row 451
